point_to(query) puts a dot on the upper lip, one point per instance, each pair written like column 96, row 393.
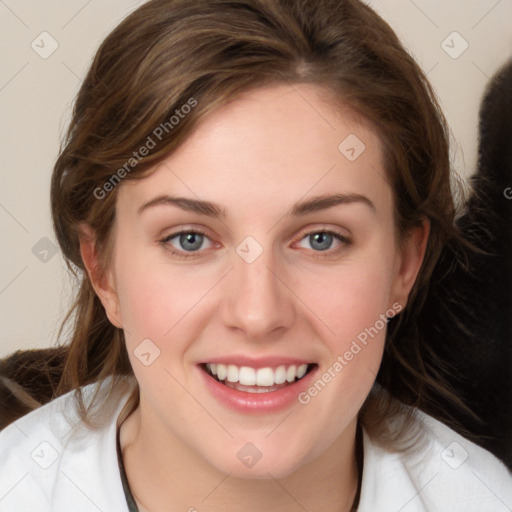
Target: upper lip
column 257, row 362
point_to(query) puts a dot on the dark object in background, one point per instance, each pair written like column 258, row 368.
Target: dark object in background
column 471, row 329
column 486, row 353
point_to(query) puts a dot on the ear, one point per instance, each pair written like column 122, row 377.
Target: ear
column 102, row 281
column 410, row 259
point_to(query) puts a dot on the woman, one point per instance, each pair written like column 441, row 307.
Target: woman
column 257, row 193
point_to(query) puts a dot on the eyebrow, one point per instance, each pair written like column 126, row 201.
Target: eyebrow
column 300, row 208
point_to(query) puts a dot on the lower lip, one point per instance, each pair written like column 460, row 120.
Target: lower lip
column 267, row 402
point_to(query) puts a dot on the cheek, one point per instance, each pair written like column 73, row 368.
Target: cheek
column 158, row 304
column 156, row 299
column 352, row 304
column 351, row 298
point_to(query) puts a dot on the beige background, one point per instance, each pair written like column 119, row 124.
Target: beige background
column 36, row 95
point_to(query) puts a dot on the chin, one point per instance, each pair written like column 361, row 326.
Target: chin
column 263, row 470
column 259, row 459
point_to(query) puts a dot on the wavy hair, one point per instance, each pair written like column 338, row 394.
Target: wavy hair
column 168, row 52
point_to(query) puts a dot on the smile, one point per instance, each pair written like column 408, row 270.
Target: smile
column 257, row 388
column 256, row 380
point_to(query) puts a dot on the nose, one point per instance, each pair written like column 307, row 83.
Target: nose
column 259, row 302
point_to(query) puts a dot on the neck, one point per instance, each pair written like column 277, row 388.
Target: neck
column 186, row 482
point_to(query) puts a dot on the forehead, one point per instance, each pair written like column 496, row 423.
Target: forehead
column 271, row 147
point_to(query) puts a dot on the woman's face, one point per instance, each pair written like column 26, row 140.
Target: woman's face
column 264, row 246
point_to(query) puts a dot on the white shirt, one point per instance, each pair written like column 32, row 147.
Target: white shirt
column 51, row 462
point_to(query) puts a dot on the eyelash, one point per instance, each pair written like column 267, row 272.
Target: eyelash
column 164, row 242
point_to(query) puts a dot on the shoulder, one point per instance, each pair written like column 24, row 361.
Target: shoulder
column 444, row 471
column 52, row 461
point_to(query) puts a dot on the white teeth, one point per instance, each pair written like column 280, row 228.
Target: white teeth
column 232, row 374
column 221, row 371
column 264, row 377
column 290, row 373
column 301, row 370
column 280, row 375
column 257, row 390
column 247, row 376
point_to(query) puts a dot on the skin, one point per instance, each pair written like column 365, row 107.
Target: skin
column 255, row 158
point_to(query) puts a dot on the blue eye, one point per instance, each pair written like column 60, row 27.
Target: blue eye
column 191, row 241
column 187, row 241
column 323, row 241
column 192, row 244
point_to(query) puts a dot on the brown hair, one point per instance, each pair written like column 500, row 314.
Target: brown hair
column 169, row 52
column 28, row 379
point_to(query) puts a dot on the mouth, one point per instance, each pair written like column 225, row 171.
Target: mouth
column 248, row 379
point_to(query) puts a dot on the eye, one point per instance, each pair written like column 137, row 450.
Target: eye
column 322, row 241
column 190, row 243
column 187, row 242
